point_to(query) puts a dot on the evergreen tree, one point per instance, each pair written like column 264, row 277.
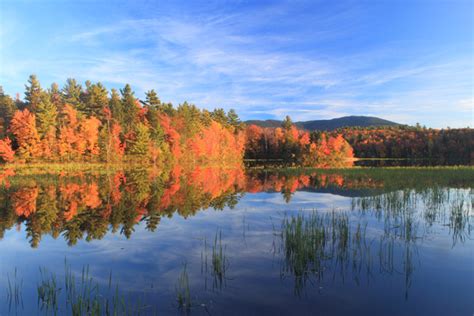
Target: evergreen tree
column 190, row 117
column 96, row 100
column 130, row 108
column 33, row 93
column 55, row 96
column 152, row 98
column 7, row 108
column 141, row 144
column 46, row 115
column 233, row 120
column 287, row 123
column 156, row 130
column 72, row 92
column 220, row 116
column 116, row 107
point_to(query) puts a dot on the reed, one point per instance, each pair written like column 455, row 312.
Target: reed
column 183, row 293
column 219, row 261
column 14, row 291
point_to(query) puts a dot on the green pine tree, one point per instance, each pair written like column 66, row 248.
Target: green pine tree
column 46, row 114
column 33, row 93
column 72, row 92
column 116, row 107
column 152, row 98
column 130, row 109
column 96, row 100
column 287, row 123
column 141, row 145
column 7, row 109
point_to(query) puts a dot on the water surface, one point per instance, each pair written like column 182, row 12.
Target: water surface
column 233, row 241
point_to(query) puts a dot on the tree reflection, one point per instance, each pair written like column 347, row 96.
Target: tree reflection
column 79, row 205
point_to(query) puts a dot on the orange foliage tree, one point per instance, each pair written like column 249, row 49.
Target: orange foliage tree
column 289, row 145
column 217, row 144
column 7, row 154
column 23, row 126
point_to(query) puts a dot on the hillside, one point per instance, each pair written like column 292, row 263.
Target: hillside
column 362, row 121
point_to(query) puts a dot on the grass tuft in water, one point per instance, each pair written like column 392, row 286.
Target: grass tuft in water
column 14, row 291
column 183, row 293
column 219, row 261
column 48, row 292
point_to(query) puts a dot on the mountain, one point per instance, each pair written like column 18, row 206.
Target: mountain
column 328, row 125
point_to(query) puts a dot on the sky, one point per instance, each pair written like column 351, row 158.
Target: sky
column 404, row 60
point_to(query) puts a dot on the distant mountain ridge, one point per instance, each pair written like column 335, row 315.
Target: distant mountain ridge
column 329, row 125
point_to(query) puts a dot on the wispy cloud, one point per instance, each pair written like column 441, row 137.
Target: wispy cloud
column 266, row 61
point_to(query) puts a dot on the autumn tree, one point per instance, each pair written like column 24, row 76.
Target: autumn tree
column 6, row 152
column 70, row 144
column 89, row 135
column 23, row 126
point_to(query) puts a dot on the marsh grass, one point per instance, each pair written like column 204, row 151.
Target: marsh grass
column 75, row 296
column 219, row 262
column 330, row 246
column 14, row 291
column 48, row 292
column 308, row 242
column 460, row 220
column 183, row 292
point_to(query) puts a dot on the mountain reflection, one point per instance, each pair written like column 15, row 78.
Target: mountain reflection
column 81, row 205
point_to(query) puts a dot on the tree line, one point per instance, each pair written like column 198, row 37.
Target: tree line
column 442, row 146
column 76, row 123
column 88, row 123
column 292, row 145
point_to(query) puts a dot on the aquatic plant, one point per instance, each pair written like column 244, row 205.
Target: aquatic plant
column 14, row 291
column 183, row 293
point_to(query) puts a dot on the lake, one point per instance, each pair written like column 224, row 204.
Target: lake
column 233, row 241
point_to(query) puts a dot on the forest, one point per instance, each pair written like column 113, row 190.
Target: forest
column 75, row 124
column 443, row 146
column 91, row 124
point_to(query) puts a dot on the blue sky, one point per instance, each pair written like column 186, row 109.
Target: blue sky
column 408, row 61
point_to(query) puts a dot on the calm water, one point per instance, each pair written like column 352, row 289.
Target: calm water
column 233, row 242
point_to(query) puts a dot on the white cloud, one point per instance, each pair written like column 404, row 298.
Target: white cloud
column 225, row 60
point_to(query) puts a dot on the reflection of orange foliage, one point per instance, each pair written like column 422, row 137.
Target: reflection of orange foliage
column 173, row 188
column 24, row 201
column 118, row 180
column 4, row 174
column 77, row 196
column 125, row 203
column 215, row 181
